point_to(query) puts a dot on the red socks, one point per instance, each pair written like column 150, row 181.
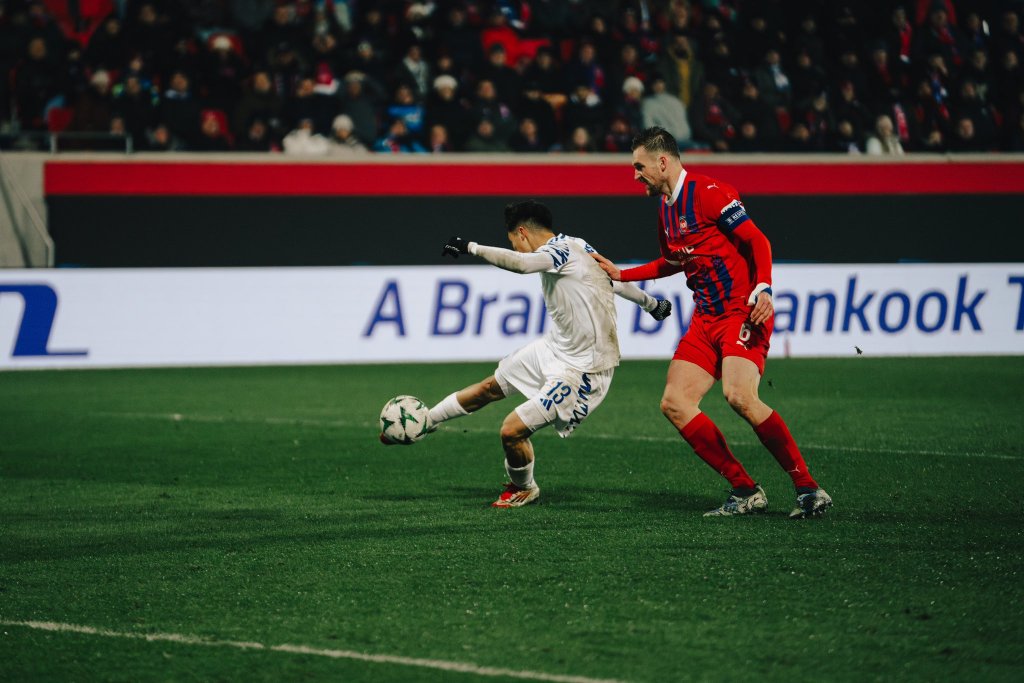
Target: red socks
column 707, row 441
column 776, row 438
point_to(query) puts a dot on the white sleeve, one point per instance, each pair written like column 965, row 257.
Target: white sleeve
column 630, row 292
column 517, row 262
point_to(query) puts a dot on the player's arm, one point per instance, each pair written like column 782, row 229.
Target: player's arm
column 750, row 240
column 507, row 259
column 649, row 271
column 658, row 308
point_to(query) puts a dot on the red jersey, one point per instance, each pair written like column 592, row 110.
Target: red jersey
column 695, row 233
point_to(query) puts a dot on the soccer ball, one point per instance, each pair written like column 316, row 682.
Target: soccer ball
column 404, row 420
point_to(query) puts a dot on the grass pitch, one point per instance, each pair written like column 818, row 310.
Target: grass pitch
column 255, row 505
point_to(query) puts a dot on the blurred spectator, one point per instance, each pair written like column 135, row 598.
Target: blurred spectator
column 414, row 72
column 527, row 138
column 848, row 107
column 683, row 74
column 969, row 104
column 547, row 74
column 755, row 110
column 938, row 37
column 631, row 106
column 820, row 122
column 213, row 132
column 404, row 106
column 714, row 119
column 899, row 34
column 259, row 101
column 37, row 82
column 93, row 110
column 398, row 140
column 485, row 139
column 799, row 139
column 437, row 140
column 307, row 103
column 221, row 74
column 807, row 79
column 965, row 138
column 161, row 139
column 628, row 66
column 179, row 111
column 505, row 80
column 772, row 82
column 461, row 41
column 662, row 109
column 580, row 141
column 304, row 140
column 255, row 138
column 487, row 107
column 534, row 107
column 108, row 47
column 884, row 141
column 134, row 104
column 444, row 109
column 885, row 80
column 750, row 139
column 359, row 105
column 585, row 110
column 619, row 137
column 343, row 139
column 585, row 70
column 846, row 139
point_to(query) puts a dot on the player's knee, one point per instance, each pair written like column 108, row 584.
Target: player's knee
column 676, row 408
column 740, row 400
column 512, row 431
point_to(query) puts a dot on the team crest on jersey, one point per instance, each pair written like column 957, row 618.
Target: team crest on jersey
column 682, row 225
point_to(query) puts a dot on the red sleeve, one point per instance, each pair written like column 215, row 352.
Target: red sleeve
column 650, row 271
column 753, row 244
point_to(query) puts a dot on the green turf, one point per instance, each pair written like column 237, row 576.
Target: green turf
column 266, row 511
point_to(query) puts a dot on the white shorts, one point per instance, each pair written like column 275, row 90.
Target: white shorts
column 557, row 394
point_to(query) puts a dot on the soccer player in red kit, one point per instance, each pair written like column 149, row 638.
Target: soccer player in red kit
column 705, row 232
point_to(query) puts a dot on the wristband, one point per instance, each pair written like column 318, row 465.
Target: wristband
column 761, row 287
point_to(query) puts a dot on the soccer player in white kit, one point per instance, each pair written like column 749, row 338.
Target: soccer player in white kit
column 564, row 375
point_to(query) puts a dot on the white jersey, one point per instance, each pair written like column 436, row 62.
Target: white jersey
column 581, row 303
column 579, row 297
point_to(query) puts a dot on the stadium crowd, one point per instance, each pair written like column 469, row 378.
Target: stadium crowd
column 349, row 77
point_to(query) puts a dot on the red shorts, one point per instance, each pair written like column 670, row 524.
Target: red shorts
column 710, row 339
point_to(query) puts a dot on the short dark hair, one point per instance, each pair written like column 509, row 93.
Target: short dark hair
column 530, row 213
column 656, row 140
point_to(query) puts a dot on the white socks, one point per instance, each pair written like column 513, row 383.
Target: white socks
column 446, row 410
column 521, row 476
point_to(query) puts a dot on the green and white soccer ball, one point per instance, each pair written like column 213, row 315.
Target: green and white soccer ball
column 403, row 420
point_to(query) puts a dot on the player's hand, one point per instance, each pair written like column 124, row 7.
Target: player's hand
column 662, row 310
column 607, row 266
column 454, row 247
column 764, row 308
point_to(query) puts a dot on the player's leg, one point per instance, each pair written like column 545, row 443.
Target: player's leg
column 740, row 380
column 686, row 385
column 466, row 401
column 515, row 440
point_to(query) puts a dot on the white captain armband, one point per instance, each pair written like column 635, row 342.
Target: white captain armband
column 761, row 287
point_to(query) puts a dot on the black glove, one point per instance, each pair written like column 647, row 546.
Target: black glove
column 454, row 247
column 662, row 310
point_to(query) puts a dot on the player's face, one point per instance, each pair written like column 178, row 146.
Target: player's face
column 647, row 170
column 518, row 238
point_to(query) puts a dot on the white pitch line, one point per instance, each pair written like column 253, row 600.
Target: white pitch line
column 220, row 419
column 440, row 664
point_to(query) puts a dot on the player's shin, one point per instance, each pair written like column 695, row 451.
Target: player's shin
column 521, row 476
column 775, row 436
column 447, row 409
column 709, row 444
